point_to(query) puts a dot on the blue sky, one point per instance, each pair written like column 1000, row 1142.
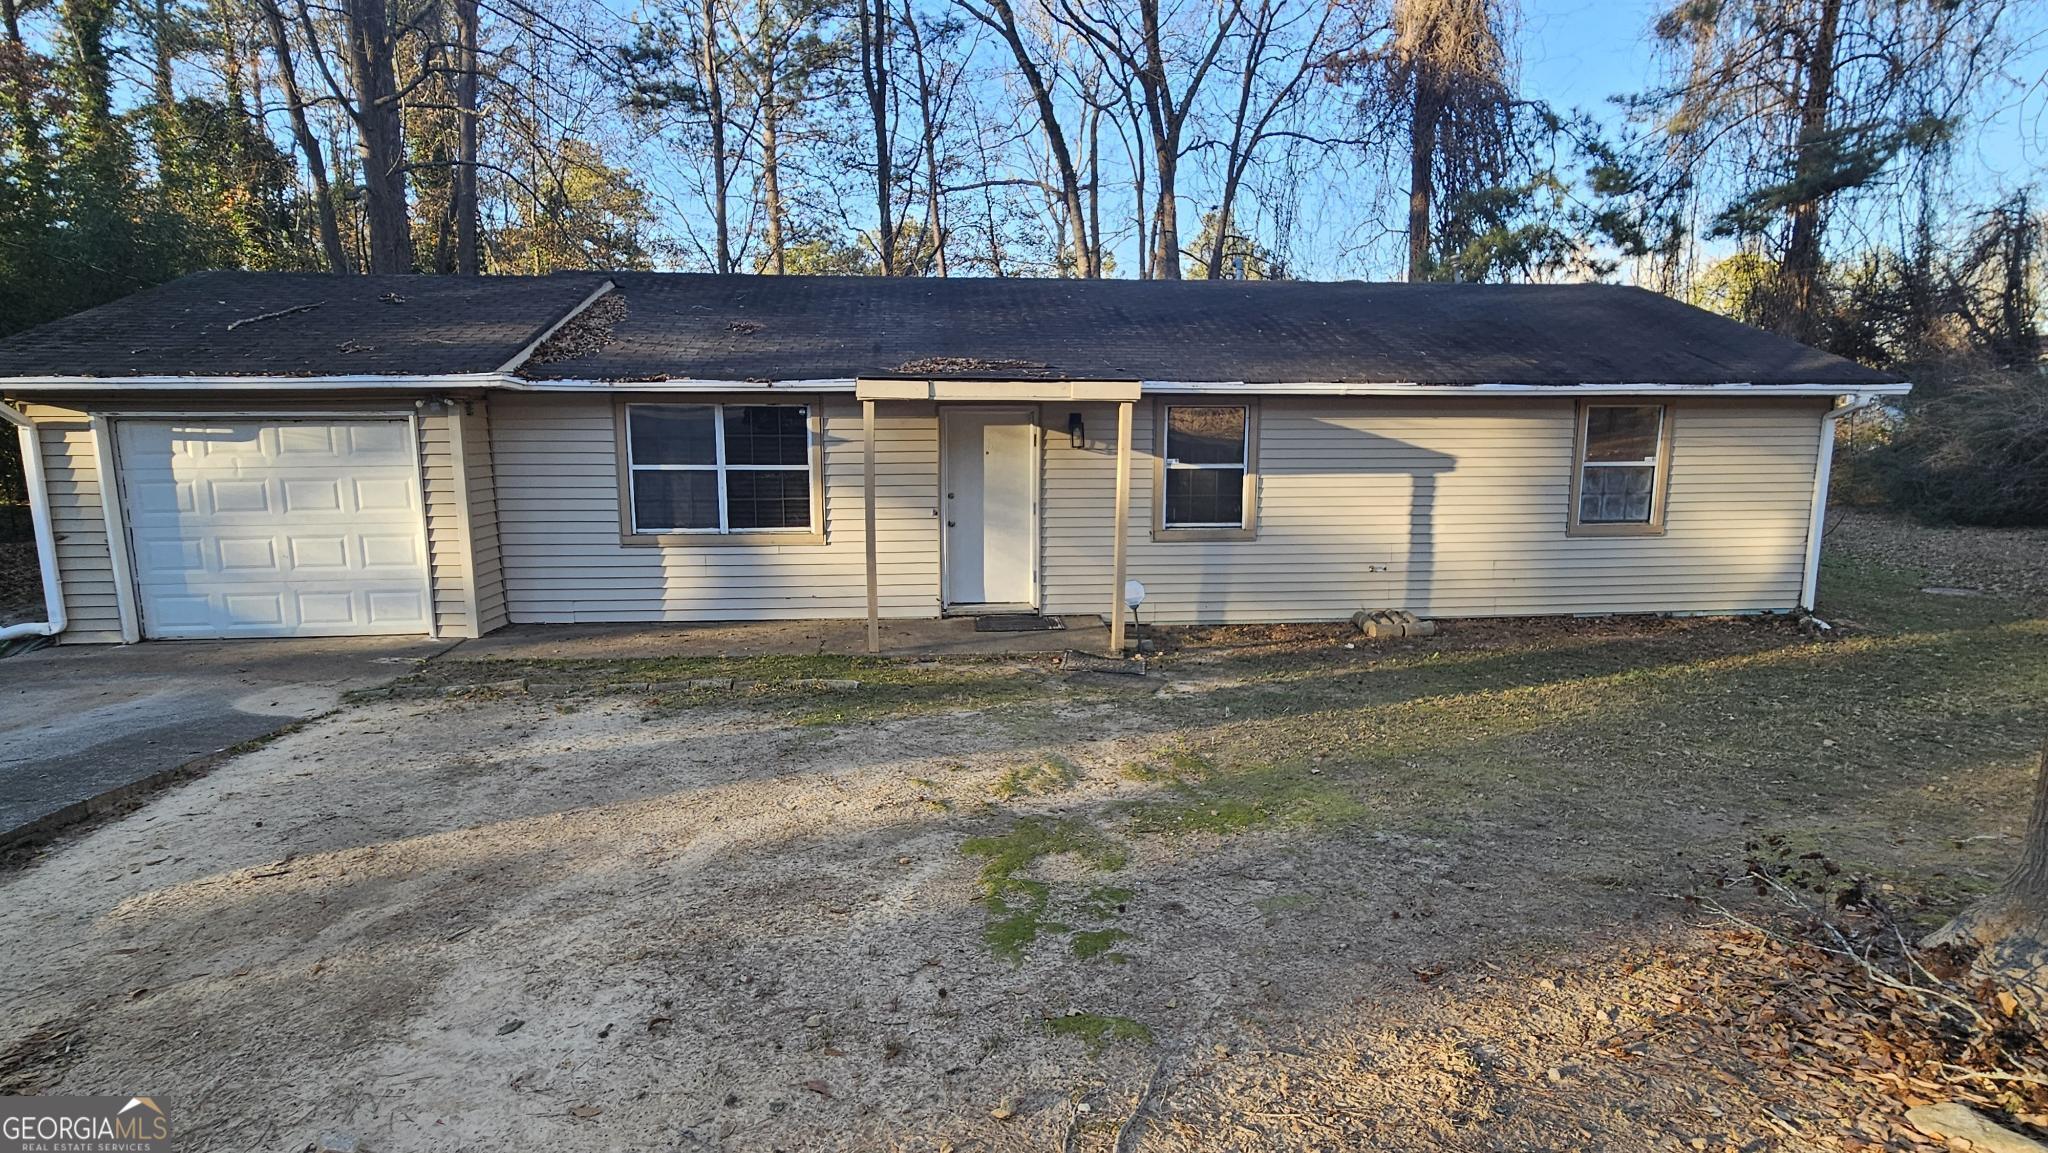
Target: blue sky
column 1577, row 53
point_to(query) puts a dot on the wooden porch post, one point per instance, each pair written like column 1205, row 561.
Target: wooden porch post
column 867, row 417
column 1123, row 528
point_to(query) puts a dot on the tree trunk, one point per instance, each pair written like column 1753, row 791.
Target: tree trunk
column 1421, row 178
column 164, row 124
column 771, row 186
column 875, row 35
column 1002, row 18
column 382, row 136
column 309, row 145
column 1094, row 191
column 2010, row 926
column 463, row 193
column 1801, row 271
column 709, row 70
column 934, row 225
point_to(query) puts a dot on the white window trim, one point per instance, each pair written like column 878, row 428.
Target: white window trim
column 1243, row 528
column 634, row 532
column 1659, row 464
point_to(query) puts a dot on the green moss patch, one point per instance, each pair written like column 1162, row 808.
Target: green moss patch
column 1098, row 1031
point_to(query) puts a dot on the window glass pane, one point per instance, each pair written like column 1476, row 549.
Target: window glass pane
column 1204, row 496
column 1615, row 494
column 1617, row 432
column 1205, row 435
column 672, row 433
column 665, row 500
column 764, row 499
column 767, row 434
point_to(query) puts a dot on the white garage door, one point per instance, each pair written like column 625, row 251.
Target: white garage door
column 274, row 528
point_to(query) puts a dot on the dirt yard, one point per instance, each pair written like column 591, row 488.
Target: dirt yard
column 1310, row 893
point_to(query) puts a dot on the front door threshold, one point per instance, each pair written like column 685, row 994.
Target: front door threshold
column 982, row 610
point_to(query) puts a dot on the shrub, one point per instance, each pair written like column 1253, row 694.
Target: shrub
column 1971, row 449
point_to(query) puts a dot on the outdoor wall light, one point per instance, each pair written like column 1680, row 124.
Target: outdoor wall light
column 1077, row 433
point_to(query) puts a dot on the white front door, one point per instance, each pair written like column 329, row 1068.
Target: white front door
column 253, row 528
column 989, row 480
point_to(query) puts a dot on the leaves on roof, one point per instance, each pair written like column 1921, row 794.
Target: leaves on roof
column 584, row 334
column 950, row 365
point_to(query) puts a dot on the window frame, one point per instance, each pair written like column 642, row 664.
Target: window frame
column 631, row 535
column 1660, row 477
column 1248, row 528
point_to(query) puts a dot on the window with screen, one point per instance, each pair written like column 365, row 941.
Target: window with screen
column 1621, row 451
column 1206, row 460
column 719, row 468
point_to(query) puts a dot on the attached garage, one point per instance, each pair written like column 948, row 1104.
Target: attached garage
column 274, row 528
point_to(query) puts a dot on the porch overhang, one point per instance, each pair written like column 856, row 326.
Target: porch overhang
column 1122, row 393
column 996, row 391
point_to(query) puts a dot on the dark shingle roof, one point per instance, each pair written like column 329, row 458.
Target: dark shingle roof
column 331, row 326
column 757, row 328
column 803, row 327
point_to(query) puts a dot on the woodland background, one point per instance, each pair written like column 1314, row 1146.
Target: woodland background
column 1805, row 165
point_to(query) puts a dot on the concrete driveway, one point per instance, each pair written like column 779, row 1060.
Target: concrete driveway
column 82, row 725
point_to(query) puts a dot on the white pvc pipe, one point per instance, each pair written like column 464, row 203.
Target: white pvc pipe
column 46, row 537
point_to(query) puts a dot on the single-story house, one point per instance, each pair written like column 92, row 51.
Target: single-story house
column 262, row 454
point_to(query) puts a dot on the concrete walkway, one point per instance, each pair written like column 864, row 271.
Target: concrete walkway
column 82, row 726
column 949, row 637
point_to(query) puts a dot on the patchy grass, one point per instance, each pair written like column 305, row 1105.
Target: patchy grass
column 1089, row 944
column 1207, row 798
column 1098, row 1030
column 1050, row 775
column 1018, row 905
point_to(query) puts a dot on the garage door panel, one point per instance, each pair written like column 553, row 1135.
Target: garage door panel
column 394, row 606
column 327, row 610
column 386, row 442
column 389, row 552
column 379, row 496
column 318, row 555
column 189, row 555
column 248, row 556
column 232, row 495
column 304, row 496
column 295, row 528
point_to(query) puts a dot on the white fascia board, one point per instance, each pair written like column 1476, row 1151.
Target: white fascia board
column 1389, row 388
column 250, row 383
column 825, row 384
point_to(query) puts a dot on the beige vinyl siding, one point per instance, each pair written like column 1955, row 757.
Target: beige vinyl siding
column 556, row 465
column 79, row 523
column 447, row 537
column 483, row 518
column 1446, row 508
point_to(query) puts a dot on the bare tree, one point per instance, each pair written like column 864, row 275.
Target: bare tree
column 464, row 206
column 302, row 133
column 875, row 33
column 1138, row 41
column 1443, row 82
column 1272, row 78
column 1000, row 16
column 376, row 109
column 1783, row 107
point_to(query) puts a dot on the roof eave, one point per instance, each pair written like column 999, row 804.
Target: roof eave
column 1504, row 388
column 367, row 381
